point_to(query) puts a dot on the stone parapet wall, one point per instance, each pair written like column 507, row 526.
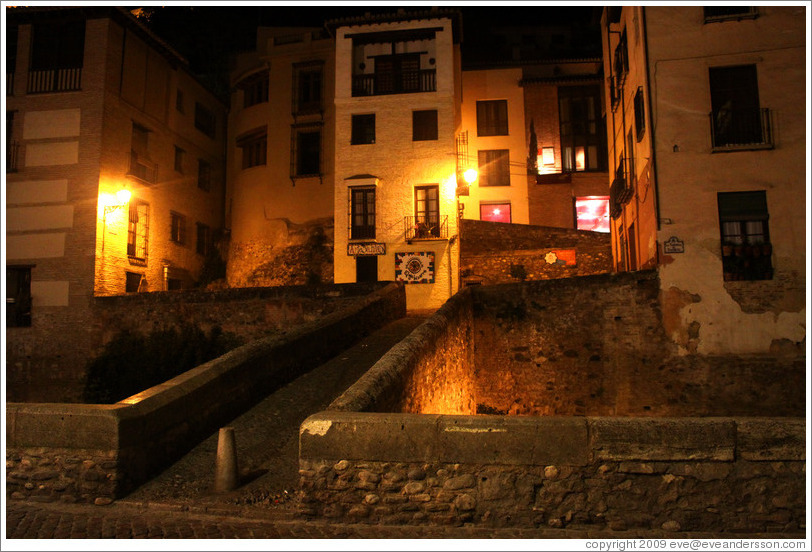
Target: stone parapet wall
column 494, row 253
column 711, row 474
column 430, row 371
column 134, row 439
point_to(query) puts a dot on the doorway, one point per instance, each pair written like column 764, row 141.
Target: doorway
column 366, row 268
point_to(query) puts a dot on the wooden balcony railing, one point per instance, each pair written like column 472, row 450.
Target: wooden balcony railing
column 394, row 82
column 54, row 80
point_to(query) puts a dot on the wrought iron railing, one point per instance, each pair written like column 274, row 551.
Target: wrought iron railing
column 426, row 227
column 142, row 169
column 55, row 80
column 741, row 128
column 394, row 82
column 620, row 192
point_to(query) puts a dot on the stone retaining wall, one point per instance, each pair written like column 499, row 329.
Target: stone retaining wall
column 710, row 474
column 87, row 453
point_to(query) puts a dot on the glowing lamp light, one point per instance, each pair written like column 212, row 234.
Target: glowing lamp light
column 123, row 196
column 470, row 175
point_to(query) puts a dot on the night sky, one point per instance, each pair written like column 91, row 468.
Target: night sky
column 209, row 35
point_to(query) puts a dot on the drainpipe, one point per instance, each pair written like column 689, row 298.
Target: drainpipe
column 651, row 129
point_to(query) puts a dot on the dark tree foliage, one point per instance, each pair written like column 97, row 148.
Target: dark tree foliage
column 132, row 362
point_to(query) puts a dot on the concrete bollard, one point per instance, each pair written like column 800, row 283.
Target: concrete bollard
column 225, row 478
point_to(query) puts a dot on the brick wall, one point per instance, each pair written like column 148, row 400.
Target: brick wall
column 494, row 252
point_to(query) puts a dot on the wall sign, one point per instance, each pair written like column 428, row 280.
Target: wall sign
column 414, row 268
column 673, row 245
column 366, row 248
column 562, row 257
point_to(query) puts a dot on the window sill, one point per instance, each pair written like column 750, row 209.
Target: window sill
column 741, row 147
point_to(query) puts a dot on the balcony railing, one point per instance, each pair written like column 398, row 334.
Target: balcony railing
column 620, row 192
column 12, row 156
column 426, row 227
column 142, row 169
column 394, row 82
column 733, row 129
column 55, row 80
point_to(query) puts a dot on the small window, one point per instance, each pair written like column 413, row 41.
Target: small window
column 495, row 212
column 639, row 113
column 307, row 154
column 203, row 175
column 138, row 230
column 729, row 13
column 255, row 90
column 494, row 168
column 133, row 282
column 491, row 118
column 203, row 239
column 424, row 125
column 204, row 120
column 179, row 159
column 179, row 101
column 177, row 231
column 307, row 81
column 745, row 234
column 363, row 129
column 18, row 296
column 254, row 145
column 362, row 213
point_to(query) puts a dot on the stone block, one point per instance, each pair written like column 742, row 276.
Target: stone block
column 379, row 437
column 513, row 440
column 770, row 439
column 652, row 439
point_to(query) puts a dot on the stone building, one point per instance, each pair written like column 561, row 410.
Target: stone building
column 280, row 159
column 705, row 123
column 397, row 118
column 115, row 180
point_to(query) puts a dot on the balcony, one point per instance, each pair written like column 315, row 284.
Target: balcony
column 431, row 227
column 142, row 169
column 12, row 157
column 741, row 129
column 620, row 192
column 394, row 82
column 54, row 80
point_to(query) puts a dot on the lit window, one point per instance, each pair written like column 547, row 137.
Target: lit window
column 583, row 141
column 592, row 213
column 548, row 156
column 494, row 212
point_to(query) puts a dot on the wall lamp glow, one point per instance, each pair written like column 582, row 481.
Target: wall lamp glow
column 470, row 176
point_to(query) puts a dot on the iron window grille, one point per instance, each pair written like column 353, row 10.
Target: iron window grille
column 138, row 231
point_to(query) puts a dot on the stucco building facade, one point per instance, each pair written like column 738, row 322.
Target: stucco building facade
column 706, row 114
column 114, row 173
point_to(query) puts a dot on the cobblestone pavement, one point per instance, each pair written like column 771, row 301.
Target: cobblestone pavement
column 180, row 504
